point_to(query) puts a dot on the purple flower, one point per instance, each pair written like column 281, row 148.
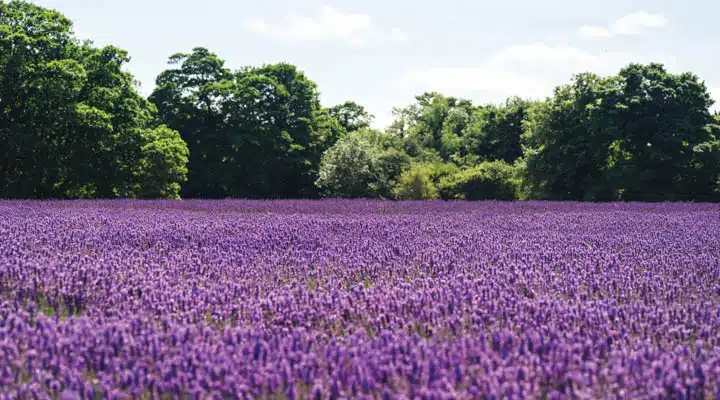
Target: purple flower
column 359, row 299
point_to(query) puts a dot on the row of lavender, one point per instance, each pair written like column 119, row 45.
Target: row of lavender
column 364, row 299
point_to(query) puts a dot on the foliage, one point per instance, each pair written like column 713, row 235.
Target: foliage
column 388, row 166
column 433, row 123
column 438, row 128
column 488, row 180
column 257, row 132
column 72, row 125
column 71, row 122
column 363, row 164
column 495, row 131
column 165, row 159
column 346, row 169
column 351, row 116
column 438, row 170
column 641, row 135
column 416, row 184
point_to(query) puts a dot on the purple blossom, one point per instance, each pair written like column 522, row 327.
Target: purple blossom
column 359, row 299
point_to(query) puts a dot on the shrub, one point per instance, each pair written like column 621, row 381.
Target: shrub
column 416, row 184
column 346, row 168
column 387, row 168
column 488, row 180
column 360, row 165
column 440, row 170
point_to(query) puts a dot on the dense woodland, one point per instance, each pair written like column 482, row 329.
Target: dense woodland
column 73, row 125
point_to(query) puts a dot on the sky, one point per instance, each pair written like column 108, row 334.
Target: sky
column 383, row 53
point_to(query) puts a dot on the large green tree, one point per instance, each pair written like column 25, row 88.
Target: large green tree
column 71, row 122
column 455, row 130
column 495, row 130
column 432, row 123
column 663, row 120
column 644, row 134
column 566, row 149
column 256, row 132
column 188, row 100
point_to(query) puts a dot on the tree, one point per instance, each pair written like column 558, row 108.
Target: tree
column 641, row 135
column 434, row 122
column 709, row 158
column 257, row 132
column 565, row 148
column 164, row 164
column 495, row 130
column 188, row 99
column 301, row 134
column 663, row 118
column 388, row 165
column 452, row 129
column 71, row 121
column 351, row 116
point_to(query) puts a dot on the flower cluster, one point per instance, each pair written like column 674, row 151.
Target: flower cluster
column 359, row 299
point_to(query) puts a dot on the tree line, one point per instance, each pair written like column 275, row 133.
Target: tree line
column 72, row 125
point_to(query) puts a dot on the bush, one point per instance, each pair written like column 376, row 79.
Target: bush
column 346, row 168
column 164, row 164
column 487, row 181
column 387, row 168
column 440, row 170
column 360, row 165
column 416, row 184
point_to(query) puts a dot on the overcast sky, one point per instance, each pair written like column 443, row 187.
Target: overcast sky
column 382, row 53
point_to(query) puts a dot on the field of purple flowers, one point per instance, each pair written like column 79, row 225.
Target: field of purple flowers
column 359, row 299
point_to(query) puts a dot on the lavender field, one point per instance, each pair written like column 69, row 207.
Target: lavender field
column 359, row 300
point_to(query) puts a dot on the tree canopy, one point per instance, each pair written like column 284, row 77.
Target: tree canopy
column 351, row 116
column 254, row 132
column 72, row 125
column 71, row 122
column 644, row 134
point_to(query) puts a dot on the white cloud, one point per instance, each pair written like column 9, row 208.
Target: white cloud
column 398, row 35
column 631, row 24
column 258, row 26
column 474, row 79
column 543, row 54
column 594, row 31
column 527, row 70
column 635, row 23
column 329, row 24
